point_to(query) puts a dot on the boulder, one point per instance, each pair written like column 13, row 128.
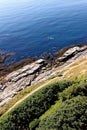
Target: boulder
column 40, row 61
column 70, row 53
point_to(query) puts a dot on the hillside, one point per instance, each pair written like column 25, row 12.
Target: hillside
column 52, row 99
column 41, row 70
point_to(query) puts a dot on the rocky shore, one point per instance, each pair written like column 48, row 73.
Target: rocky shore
column 36, row 72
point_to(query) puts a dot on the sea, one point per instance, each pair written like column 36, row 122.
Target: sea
column 30, row 28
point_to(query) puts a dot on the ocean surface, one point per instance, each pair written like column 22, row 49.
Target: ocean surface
column 29, row 28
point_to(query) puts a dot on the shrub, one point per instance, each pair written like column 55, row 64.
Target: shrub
column 32, row 107
column 71, row 115
column 74, row 90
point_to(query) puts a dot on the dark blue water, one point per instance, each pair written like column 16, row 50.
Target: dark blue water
column 30, row 27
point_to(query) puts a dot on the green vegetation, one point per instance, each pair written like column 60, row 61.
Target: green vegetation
column 57, row 106
column 19, row 96
column 73, row 91
column 48, row 112
column 71, row 115
column 33, row 107
column 34, row 123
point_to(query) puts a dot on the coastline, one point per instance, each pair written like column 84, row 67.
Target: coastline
column 5, row 69
column 39, row 70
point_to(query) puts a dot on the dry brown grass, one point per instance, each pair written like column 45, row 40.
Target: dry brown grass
column 77, row 69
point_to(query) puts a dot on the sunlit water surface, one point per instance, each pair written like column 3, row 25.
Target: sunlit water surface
column 29, row 28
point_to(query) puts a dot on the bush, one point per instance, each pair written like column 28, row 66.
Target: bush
column 74, row 90
column 71, row 115
column 33, row 107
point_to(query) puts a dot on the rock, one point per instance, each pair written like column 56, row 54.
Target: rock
column 19, row 79
column 24, row 71
column 2, row 87
column 40, row 61
column 12, row 75
column 5, row 101
column 70, row 53
column 34, row 73
column 15, row 79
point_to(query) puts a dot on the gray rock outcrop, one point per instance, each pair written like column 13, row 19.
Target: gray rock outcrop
column 34, row 73
column 18, row 80
column 71, row 52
